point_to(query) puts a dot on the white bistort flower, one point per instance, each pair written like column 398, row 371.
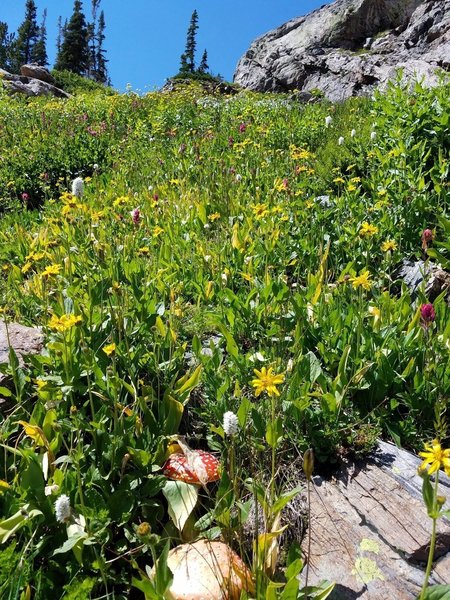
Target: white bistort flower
column 230, row 423
column 78, row 187
column 328, row 120
column 340, row 141
column 62, row 509
column 373, row 135
column 353, row 133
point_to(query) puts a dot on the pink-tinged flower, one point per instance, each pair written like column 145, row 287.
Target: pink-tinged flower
column 136, row 216
column 427, row 313
column 25, row 197
column 242, row 127
column 230, row 142
column 427, row 237
column 155, row 197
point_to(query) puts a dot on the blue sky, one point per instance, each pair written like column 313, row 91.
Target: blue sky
column 145, row 38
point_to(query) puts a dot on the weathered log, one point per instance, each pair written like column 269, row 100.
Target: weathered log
column 371, row 532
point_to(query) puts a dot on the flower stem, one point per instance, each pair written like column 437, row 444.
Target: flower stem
column 432, row 541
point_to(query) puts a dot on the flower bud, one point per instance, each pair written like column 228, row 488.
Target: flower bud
column 308, row 463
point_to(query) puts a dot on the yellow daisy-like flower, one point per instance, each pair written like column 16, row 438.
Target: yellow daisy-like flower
column 260, row 210
column 266, row 381
column 214, row 216
column 51, row 270
column 109, row 349
column 64, row 322
column 367, row 230
column 436, row 457
column 362, row 280
column 157, row 230
column 389, row 246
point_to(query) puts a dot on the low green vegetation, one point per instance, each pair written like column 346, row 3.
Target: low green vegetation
column 213, row 255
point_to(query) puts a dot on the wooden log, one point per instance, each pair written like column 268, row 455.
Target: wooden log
column 371, row 532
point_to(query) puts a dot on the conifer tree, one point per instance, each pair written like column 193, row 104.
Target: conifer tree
column 6, row 44
column 60, row 35
column 101, row 70
column 39, row 52
column 74, row 53
column 191, row 42
column 27, row 36
column 203, row 67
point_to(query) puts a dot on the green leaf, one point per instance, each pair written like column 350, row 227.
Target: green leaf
column 274, row 432
column 281, row 502
column 163, row 575
column 5, row 392
column 181, row 498
column 9, row 526
column 315, row 369
column 437, row 592
column 428, row 493
column 232, row 347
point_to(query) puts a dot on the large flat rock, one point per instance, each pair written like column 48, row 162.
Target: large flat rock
column 370, row 529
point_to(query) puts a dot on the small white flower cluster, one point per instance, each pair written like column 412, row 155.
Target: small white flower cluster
column 230, row 423
column 62, row 509
column 328, row 120
column 78, row 187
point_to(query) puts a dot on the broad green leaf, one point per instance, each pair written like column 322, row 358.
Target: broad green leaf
column 437, row 592
column 181, row 498
column 9, row 526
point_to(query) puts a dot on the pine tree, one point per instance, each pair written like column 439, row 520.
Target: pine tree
column 74, row 53
column 6, row 44
column 60, row 35
column 191, row 42
column 101, row 70
column 203, row 68
column 184, row 67
column 39, row 52
column 27, row 36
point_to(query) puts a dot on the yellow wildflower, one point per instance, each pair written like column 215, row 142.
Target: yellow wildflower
column 51, row 270
column 367, row 230
column 362, row 280
column 436, row 457
column 214, row 216
column 144, row 250
column 109, row 349
column 338, row 180
column 157, row 230
column 64, row 322
column 260, row 210
column 266, row 381
column 389, row 246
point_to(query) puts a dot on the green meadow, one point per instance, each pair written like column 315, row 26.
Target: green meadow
column 215, row 254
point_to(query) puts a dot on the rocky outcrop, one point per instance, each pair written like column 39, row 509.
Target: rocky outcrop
column 30, row 86
column 350, row 47
column 37, row 72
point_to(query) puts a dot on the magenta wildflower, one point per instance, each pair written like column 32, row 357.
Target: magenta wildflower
column 136, row 216
column 427, row 313
column 427, row 237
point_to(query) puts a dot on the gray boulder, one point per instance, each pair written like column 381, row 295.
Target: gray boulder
column 30, row 86
column 37, row 72
column 350, row 47
column 24, row 341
